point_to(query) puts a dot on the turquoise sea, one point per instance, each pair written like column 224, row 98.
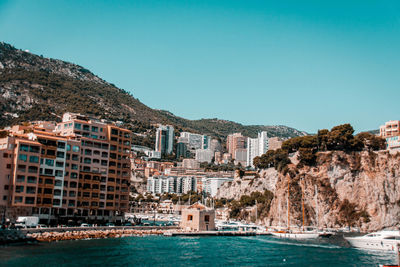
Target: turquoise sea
column 190, row 251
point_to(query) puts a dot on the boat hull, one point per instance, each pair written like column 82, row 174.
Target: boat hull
column 377, row 244
column 297, row 236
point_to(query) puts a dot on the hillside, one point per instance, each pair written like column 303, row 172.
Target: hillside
column 36, row 88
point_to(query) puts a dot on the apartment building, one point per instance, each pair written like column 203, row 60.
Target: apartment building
column 79, row 168
column 256, row 147
column 391, row 132
column 235, row 141
column 195, row 141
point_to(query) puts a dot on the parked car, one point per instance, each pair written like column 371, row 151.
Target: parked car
column 85, row 225
column 110, row 224
column 128, row 224
column 41, row 226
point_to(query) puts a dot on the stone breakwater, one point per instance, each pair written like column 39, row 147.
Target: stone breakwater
column 91, row 234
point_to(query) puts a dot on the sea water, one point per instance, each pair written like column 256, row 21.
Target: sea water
column 190, row 251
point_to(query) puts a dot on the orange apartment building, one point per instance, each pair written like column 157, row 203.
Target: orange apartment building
column 78, row 169
column 235, row 141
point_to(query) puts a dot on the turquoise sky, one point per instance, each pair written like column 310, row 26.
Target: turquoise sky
column 305, row 64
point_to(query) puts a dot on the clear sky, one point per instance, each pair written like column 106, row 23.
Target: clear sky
column 305, row 64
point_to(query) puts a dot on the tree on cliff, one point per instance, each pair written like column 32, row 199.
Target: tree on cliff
column 273, row 158
column 371, row 142
column 341, row 138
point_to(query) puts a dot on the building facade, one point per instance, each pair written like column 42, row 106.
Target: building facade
column 235, row 141
column 78, row 169
column 164, row 139
column 391, row 132
column 256, row 147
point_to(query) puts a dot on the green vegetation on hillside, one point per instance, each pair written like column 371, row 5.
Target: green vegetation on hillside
column 339, row 138
column 37, row 88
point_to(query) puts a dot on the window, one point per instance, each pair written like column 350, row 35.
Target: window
column 104, row 154
column 75, row 157
column 59, row 164
column 21, row 168
column 24, row 148
column 190, row 218
column 87, row 161
column 34, row 159
column 61, row 145
column 32, row 180
column 95, row 129
column 78, row 126
column 86, row 127
column 19, row 189
column 88, row 152
column 22, row 157
column 20, row 179
column 68, row 147
column 56, row 202
column 33, row 169
column 31, row 190
column 49, row 162
column 74, row 175
column 206, row 218
column 57, row 192
column 60, row 154
column 59, row 173
column 48, row 171
column 51, row 152
column 18, row 200
column 74, row 166
column 29, row 200
column 75, row 148
column 6, row 187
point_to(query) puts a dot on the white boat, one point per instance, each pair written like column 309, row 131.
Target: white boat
column 381, row 240
column 296, row 235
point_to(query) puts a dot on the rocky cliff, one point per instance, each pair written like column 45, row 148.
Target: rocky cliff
column 343, row 189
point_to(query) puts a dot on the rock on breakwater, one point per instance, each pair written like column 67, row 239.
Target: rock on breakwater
column 91, row 234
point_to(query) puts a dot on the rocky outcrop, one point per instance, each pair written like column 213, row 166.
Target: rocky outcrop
column 234, row 190
column 357, row 189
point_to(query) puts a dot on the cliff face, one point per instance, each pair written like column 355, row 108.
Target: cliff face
column 238, row 187
column 358, row 189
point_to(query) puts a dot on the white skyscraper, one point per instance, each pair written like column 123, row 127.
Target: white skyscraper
column 256, row 147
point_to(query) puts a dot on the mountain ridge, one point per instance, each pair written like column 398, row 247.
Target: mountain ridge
column 33, row 87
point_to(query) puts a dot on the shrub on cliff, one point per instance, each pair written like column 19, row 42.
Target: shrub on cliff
column 263, row 201
column 306, row 157
column 350, row 216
